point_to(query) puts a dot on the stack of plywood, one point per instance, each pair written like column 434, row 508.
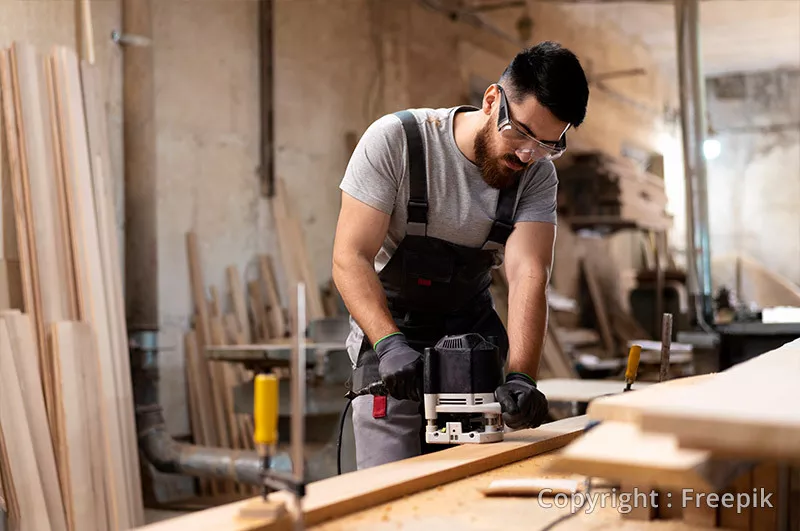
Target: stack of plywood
column 700, row 440
column 69, row 458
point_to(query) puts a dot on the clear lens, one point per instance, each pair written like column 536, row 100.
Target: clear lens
column 523, row 143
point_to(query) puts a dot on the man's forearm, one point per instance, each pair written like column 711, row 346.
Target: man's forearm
column 363, row 295
column 527, row 323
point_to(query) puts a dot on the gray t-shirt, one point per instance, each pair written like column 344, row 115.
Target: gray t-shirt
column 461, row 206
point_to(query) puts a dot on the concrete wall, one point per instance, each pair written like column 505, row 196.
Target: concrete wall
column 754, row 184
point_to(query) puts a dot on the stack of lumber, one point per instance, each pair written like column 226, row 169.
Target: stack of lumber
column 715, row 434
column 246, row 312
column 597, row 188
column 69, row 455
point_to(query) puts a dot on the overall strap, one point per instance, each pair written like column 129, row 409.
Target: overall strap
column 503, row 222
column 418, row 176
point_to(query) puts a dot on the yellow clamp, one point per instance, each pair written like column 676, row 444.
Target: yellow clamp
column 265, row 409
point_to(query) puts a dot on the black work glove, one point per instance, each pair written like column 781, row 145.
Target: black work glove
column 523, row 405
column 400, row 367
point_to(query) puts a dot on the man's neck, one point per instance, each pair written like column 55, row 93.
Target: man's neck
column 466, row 125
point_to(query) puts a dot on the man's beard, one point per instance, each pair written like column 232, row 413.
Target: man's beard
column 494, row 172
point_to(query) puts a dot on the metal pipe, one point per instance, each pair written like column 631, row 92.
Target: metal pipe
column 266, row 89
column 172, row 457
column 693, row 125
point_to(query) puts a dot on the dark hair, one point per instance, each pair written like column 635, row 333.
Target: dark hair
column 554, row 76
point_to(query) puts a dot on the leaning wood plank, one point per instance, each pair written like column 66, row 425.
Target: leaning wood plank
column 92, row 290
column 713, row 416
column 69, row 287
column 277, row 319
column 112, row 273
column 599, row 304
column 19, row 433
column 39, row 157
column 620, row 451
column 48, row 248
column 12, row 157
column 237, row 297
column 9, row 490
column 76, row 370
column 23, row 346
column 260, row 318
column 348, row 493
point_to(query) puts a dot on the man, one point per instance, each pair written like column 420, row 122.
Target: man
column 432, row 200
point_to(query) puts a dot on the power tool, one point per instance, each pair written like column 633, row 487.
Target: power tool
column 460, row 375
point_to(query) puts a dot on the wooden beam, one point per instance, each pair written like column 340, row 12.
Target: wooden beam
column 620, row 451
column 712, row 416
column 341, row 495
column 239, row 305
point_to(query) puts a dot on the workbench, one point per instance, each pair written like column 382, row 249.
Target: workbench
column 461, row 506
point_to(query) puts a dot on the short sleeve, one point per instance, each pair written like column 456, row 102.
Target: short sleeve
column 377, row 166
column 538, row 199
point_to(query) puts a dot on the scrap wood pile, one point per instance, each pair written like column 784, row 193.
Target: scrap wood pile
column 591, row 288
column 246, row 312
column 700, row 433
column 68, row 445
column 596, row 185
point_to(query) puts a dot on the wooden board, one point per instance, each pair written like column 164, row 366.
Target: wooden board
column 20, row 433
column 23, row 347
column 620, row 451
column 629, row 407
column 81, row 449
column 12, row 159
column 348, row 493
column 238, row 300
column 598, row 302
column 112, row 276
column 574, row 390
column 91, row 276
column 712, row 414
column 277, row 319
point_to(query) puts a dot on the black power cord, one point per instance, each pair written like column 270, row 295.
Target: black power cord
column 339, row 438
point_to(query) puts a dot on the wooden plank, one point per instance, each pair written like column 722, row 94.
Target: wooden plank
column 238, row 300
column 23, row 347
column 20, row 433
column 712, row 416
column 82, row 447
column 112, row 276
column 12, row 158
column 277, row 320
column 200, row 422
column 257, row 307
column 69, row 287
column 40, row 160
column 630, row 407
column 620, row 451
column 215, row 307
column 341, row 495
column 9, row 489
column 574, row 390
column 91, row 279
column 598, row 302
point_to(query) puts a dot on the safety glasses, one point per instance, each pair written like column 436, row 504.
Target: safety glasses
column 522, row 141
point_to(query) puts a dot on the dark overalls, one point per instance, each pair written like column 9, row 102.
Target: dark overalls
column 434, row 288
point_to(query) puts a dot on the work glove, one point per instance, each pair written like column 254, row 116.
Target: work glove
column 523, row 405
column 400, row 367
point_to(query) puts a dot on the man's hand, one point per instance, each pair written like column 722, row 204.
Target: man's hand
column 400, row 367
column 523, row 405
